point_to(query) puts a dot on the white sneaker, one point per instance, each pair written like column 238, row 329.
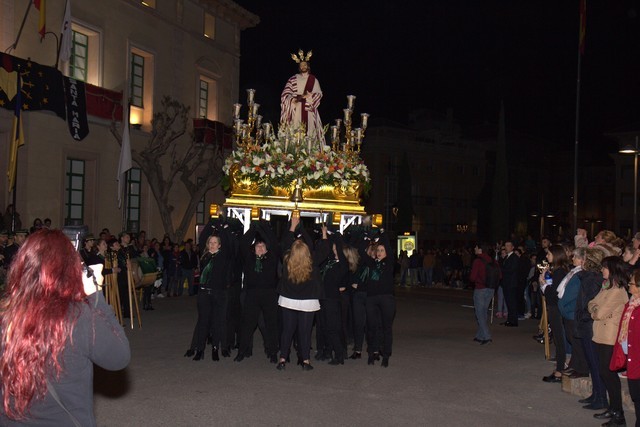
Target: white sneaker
column 527, row 316
column 160, row 296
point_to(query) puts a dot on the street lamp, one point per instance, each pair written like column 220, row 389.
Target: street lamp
column 633, row 149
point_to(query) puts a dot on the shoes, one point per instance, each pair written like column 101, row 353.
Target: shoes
column 527, row 316
column 510, row 324
column 273, row 358
column 478, row 340
column 336, row 361
column 306, row 366
column 604, row 415
column 280, row 366
column 499, row 315
column 552, row 378
column 597, row 404
column 589, row 399
column 189, row 353
column 485, row 342
column 214, row 354
column 371, row 360
column 385, row 362
column 575, row 375
column 199, row 355
column 160, row 295
column 568, row 371
column 617, row 419
column 226, row 352
column 356, row 355
column 239, row 357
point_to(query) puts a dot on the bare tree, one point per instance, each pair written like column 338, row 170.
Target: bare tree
column 182, row 158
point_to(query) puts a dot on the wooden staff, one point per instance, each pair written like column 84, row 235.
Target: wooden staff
column 112, row 293
column 132, row 293
column 544, row 324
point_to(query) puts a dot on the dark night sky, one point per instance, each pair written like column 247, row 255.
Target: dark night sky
column 397, row 56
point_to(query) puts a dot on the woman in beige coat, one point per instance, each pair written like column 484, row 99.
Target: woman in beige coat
column 606, row 310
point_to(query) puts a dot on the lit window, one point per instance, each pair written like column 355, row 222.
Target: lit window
column 74, row 191
column 200, row 210
column 133, row 200
column 141, row 85
column 203, row 99
column 209, row 26
column 79, row 52
column 206, row 101
column 137, row 80
column 84, row 63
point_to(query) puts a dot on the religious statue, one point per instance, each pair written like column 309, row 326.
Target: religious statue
column 301, row 97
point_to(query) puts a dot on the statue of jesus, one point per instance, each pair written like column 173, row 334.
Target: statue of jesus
column 301, row 97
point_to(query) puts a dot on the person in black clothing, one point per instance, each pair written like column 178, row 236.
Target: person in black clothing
column 215, row 281
column 359, row 296
column 509, row 269
column 188, row 263
column 590, row 285
column 328, row 324
column 87, row 250
column 300, row 289
column 559, row 267
column 260, row 256
column 381, row 303
column 126, row 252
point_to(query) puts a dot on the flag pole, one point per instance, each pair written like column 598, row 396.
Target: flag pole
column 581, row 42
column 577, row 144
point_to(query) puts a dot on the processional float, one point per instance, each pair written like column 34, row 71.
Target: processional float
column 288, row 171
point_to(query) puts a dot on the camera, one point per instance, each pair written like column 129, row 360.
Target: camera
column 542, row 266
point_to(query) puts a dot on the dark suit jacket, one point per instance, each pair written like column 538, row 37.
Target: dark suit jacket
column 510, row 271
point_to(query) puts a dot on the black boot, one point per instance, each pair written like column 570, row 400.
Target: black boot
column 214, row 354
column 189, row 353
column 385, row 362
column 199, row 355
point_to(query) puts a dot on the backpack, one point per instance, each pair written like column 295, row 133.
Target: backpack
column 492, row 275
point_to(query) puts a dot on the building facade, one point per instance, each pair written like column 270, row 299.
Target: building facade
column 186, row 49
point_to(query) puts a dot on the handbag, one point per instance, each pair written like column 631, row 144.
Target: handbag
column 618, row 359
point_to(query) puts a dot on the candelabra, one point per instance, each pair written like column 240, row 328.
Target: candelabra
column 253, row 131
column 352, row 136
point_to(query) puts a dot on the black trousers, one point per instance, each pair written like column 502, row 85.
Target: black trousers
column 123, row 290
column 380, row 307
column 634, row 392
column 578, row 359
column 511, row 299
column 212, row 312
column 296, row 321
column 234, row 317
column 359, row 310
column 610, row 379
column 330, row 313
column 557, row 327
column 258, row 301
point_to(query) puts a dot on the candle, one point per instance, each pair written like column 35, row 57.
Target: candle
column 350, row 99
column 236, row 110
column 250, row 96
column 334, row 133
column 364, row 120
column 258, row 120
column 267, row 129
column 358, row 135
column 347, row 116
column 338, row 124
column 255, row 109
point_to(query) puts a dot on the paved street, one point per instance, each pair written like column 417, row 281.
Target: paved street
column 437, row 376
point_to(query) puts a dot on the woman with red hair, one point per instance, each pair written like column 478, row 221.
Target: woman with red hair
column 53, row 327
